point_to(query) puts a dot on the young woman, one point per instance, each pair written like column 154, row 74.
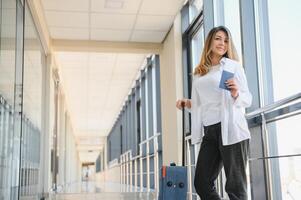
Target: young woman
column 218, row 121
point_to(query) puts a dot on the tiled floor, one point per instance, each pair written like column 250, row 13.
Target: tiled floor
column 103, row 191
column 106, row 196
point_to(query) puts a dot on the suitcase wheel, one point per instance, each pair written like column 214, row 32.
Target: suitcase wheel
column 181, row 185
column 169, row 183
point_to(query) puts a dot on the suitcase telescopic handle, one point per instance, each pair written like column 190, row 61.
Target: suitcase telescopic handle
column 183, row 133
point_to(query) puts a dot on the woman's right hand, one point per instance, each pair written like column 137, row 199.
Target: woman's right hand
column 183, row 103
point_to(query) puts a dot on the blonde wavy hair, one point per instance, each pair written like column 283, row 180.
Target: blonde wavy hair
column 206, row 62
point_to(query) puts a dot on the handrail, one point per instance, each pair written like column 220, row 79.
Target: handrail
column 150, row 138
column 273, row 105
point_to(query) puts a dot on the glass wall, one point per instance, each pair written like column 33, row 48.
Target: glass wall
column 285, row 30
column 21, row 64
column 135, row 139
column 7, row 76
column 232, row 22
column 289, row 167
column 32, row 107
column 270, row 31
column 196, row 6
column 197, row 43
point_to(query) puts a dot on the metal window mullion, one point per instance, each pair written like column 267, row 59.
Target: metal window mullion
column 121, row 173
column 127, row 169
column 27, row 155
column 189, row 169
column 218, row 6
column 266, row 87
column 147, row 166
column 135, row 173
column 155, row 102
column 25, row 152
column 1, row 128
column 23, row 157
column 2, row 155
column 29, row 160
column 31, row 141
column 250, row 63
column 141, row 168
column 22, row 160
column 156, row 167
column 6, row 143
column 131, row 170
column 18, row 99
column 267, row 164
column 22, row 164
column 123, row 170
column 208, row 16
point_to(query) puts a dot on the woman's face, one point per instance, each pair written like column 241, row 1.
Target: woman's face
column 219, row 44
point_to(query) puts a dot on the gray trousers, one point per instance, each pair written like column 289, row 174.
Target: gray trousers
column 212, row 157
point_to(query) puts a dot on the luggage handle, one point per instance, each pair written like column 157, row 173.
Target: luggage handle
column 183, row 133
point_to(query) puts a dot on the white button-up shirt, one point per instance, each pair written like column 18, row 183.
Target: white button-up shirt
column 232, row 111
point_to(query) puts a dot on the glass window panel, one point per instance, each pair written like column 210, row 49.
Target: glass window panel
column 232, row 22
column 285, row 31
column 32, row 105
column 285, row 172
column 194, row 9
column 7, row 77
column 289, row 177
column 7, row 49
column 286, row 132
column 197, row 43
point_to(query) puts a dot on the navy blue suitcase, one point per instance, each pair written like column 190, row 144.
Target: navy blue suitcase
column 173, row 179
column 173, row 183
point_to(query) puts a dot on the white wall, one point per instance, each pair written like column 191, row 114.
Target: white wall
column 61, row 140
column 109, row 175
column 73, row 165
column 171, row 90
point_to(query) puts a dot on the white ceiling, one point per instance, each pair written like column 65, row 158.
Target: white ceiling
column 96, row 85
column 111, row 20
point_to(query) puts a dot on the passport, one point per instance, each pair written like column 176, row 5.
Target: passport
column 225, row 76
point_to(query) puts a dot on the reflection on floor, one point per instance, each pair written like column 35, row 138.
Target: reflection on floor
column 106, row 196
column 111, row 191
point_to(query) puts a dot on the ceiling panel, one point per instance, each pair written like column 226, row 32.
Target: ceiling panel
column 70, row 33
column 67, row 19
column 112, row 21
column 77, row 57
column 85, row 156
column 110, row 35
column 156, row 23
column 9, row 31
column 148, row 36
column 96, row 89
column 159, row 7
column 8, row 4
column 66, row 5
column 127, row 6
column 134, row 21
column 8, row 17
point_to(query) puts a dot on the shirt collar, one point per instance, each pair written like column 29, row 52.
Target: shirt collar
column 223, row 61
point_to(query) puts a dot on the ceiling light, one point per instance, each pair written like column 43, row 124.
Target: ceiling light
column 114, row 4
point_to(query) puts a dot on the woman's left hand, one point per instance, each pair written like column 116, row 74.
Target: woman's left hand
column 232, row 85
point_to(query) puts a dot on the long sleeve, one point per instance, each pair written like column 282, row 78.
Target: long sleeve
column 196, row 120
column 244, row 98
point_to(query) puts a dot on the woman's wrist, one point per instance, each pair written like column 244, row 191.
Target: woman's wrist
column 235, row 96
